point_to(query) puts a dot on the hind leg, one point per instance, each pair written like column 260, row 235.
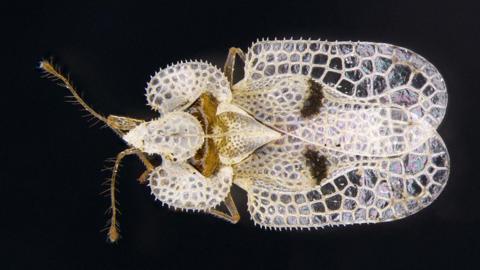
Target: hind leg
column 229, row 66
column 233, row 215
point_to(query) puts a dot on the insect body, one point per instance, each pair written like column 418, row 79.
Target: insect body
column 317, row 133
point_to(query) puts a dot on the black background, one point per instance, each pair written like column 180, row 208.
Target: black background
column 52, row 213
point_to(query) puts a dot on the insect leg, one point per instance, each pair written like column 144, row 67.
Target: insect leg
column 143, row 178
column 233, row 215
column 230, row 62
column 113, row 231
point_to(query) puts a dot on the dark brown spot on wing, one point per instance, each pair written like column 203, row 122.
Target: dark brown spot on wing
column 317, row 165
column 312, row 104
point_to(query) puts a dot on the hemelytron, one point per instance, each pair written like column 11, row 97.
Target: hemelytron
column 317, row 133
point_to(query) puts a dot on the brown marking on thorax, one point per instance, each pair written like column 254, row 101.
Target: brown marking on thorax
column 222, row 125
column 313, row 102
column 206, row 159
column 317, row 165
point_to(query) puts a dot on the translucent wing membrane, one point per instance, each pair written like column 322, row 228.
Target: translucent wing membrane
column 359, row 141
column 178, row 86
column 181, row 186
column 303, row 109
column 363, row 71
column 281, row 163
column 382, row 189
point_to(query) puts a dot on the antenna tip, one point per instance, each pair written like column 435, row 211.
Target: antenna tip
column 113, row 234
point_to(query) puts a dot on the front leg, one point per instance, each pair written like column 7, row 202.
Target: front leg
column 124, row 124
column 229, row 66
column 143, row 178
